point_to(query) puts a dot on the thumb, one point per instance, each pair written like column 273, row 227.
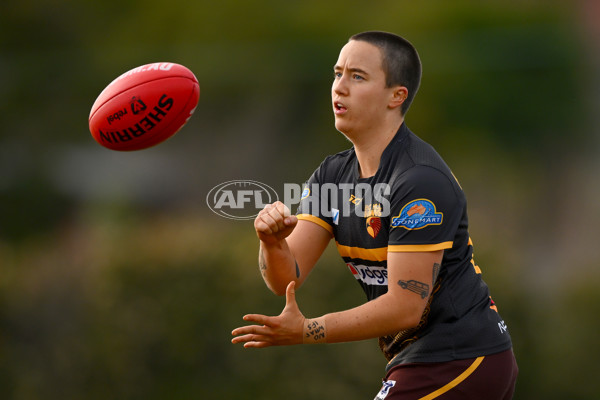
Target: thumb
column 290, row 294
column 290, row 220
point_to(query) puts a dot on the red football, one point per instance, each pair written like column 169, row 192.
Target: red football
column 144, row 106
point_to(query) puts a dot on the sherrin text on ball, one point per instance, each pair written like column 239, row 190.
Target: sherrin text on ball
column 144, row 106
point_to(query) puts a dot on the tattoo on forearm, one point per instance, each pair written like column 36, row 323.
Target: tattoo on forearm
column 262, row 263
column 420, row 288
column 436, row 271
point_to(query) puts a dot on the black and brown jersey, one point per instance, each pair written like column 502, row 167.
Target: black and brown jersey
column 413, row 203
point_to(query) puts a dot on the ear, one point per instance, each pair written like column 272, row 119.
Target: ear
column 399, row 95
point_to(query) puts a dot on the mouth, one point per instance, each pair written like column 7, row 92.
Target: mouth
column 339, row 108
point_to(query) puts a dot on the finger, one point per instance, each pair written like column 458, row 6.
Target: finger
column 291, row 220
column 286, row 211
column 242, row 339
column 258, row 318
column 282, row 209
column 253, row 341
column 265, row 222
column 272, row 216
column 245, row 330
column 257, row 344
column 273, row 220
column 251, row 337
column 286, row 214
column 261, row 226
column 256, row 330
column 277, row 214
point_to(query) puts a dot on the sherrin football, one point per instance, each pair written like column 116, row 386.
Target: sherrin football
column 144, row 106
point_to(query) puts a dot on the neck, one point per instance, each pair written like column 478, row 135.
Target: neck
column 370, row 147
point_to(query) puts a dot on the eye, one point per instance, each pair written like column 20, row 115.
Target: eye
column 337, row 75
column 357, row 77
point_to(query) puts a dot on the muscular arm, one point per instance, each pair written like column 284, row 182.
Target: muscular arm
column 400, row 308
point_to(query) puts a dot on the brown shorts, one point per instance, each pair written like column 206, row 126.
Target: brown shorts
column 490, row 377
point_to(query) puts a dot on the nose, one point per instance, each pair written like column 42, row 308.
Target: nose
column 340, row 86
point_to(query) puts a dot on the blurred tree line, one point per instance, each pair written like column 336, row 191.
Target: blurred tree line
column 118, row 282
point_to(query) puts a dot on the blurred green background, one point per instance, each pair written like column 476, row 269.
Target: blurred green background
column 117, row 281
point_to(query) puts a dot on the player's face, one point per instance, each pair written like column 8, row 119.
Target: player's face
column 359, row 94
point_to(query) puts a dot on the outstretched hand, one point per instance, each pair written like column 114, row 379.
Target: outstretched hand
column 284, row 329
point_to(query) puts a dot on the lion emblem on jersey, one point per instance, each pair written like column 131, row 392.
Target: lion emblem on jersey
column 373, row 226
